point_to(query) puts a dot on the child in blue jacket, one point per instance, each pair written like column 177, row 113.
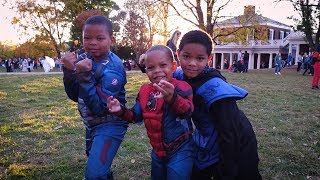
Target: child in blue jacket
column 90, row 81
column 227, row 145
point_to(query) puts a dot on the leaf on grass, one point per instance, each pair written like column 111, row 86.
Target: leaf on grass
column 58, row 127
column 133, row 161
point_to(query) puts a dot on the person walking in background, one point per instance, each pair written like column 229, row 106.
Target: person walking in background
column 278, row 64
column 172, row 44
column 316, row 68
column 90, row 80
column 307, row 60
column 240, row 62
column 246, row 61
column 289, row 59
column 299, row 60
column 165, row 105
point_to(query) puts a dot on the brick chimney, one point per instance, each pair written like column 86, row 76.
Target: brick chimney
column 249, row 10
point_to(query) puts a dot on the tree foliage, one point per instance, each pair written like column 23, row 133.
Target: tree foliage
column 43, row 17
column 39, row 47
column 309, row 22
column 78, row 11
column 144, row 19
column 6, row 50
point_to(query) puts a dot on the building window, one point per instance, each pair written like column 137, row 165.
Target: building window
column 271, row 34
column 281, row 35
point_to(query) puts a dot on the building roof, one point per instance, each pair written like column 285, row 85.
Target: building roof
column 249, row 16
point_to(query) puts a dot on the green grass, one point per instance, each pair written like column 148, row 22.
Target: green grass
column 42, row 136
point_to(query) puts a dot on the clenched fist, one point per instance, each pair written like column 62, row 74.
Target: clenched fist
column 84, row 65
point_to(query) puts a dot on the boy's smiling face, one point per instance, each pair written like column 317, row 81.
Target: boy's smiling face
column 158, row 66
column 193, row 59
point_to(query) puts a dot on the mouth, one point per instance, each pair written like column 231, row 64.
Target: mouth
column 191, row 70
column 158, row 78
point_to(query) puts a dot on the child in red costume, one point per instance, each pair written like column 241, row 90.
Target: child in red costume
column 316, row 67
column 166, row 107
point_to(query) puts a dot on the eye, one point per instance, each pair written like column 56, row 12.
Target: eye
column 200, row 58
column 150, row 68
column 101, row 38
column 185, row 56
column 163, row 65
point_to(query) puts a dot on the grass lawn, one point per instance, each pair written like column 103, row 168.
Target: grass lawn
column 42, row 136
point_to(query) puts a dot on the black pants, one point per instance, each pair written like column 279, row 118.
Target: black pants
column 299, row 66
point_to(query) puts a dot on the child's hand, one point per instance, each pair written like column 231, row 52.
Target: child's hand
column 69, row 60
column 113, row 104
column 166, row 90
column 84, row 65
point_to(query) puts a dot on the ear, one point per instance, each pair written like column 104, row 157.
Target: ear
column 210, row 61
column 178, row 53
column 174, row 66
column 113, row 40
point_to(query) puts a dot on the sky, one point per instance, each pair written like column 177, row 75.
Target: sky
column 267, row 8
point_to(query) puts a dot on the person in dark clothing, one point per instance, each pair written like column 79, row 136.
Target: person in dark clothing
column 172, row 44
column 226, row 142
column 246, row 61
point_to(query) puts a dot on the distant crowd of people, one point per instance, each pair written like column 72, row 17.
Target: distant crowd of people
column 25, row 64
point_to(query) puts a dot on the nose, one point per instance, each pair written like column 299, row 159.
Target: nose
column 192, row 62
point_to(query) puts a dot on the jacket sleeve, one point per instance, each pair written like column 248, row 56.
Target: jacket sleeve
column 182, row 101
column 225, row 112
column 71, row 84
column 133, row 115
column 110, row 83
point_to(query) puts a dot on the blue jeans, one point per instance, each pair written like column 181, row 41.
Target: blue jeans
column 177, row 166
column 277, row 68
column 102, row 143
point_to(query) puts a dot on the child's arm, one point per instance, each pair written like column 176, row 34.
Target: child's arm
column 111, row 83
column 133, row 115
column 179, row 98
column 70, row 82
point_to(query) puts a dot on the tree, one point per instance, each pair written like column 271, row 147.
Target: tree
column 144, row 20
column 83, row 8
column 43, row 17
column 6, row 50
column 203, row 18
column 39, row 47
column 309, row 11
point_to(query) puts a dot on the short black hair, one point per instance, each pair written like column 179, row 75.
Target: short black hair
column 100, row 20
column 162, row 48
column 199, row 37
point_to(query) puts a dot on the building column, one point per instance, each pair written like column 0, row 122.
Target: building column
column 297, row 54
column 270, row 61
column 214, row 60
column 290, row 48
column 250, row 59
column 259, row 61
column 221, row 62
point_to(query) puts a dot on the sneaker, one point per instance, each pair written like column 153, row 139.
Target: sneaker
column 313, row 87
column 276, row 73
column 279, row 73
